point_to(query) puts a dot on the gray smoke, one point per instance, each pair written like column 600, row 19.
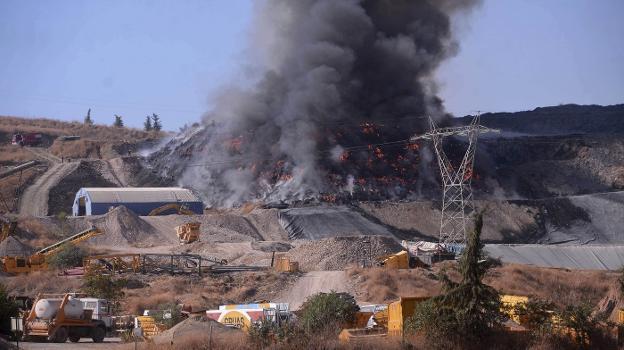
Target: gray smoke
column 326, row 65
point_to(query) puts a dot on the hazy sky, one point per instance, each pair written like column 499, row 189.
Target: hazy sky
column 60, row 58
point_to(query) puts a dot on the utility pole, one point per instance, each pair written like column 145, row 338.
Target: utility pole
column 457, row 201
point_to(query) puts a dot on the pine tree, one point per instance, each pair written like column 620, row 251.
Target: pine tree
column 467, row 311
column 87, row 119
column 118, row 121
column 156, row 125
column 147, row 125
column 474, row 306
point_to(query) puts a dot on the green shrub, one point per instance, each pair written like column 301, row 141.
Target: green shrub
column 537, row 314
column 8, row 309
column 104, row 287
column 70, row 255
column 265, row 333
column 328, row 312
column 168, row 314
column 586, row 324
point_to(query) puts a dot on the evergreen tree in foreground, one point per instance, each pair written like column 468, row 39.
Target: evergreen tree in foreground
column 466, row 312
column 147, row 124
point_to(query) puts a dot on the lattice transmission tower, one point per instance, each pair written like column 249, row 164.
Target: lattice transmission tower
column 457, row 202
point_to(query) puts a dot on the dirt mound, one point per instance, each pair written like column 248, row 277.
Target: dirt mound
column 11, row 246
column 195, row 326
column 339, row 252
column 121, row 227
column 267, row 223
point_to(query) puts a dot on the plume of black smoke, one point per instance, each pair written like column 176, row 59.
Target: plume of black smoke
column 329, row 65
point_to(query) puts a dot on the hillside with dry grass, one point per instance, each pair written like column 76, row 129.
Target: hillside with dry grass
column 54, row 128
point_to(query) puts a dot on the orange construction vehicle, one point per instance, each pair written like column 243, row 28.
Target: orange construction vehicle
column 58, row 317
column 37, row 261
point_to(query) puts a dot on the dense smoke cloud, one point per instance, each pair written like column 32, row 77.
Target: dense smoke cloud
column 329, row 67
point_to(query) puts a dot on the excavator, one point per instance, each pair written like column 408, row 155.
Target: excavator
column 38, row 260
column 188, row 232
column 179, row 209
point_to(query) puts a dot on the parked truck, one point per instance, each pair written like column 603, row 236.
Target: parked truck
column 27, row 139
column 58, row 317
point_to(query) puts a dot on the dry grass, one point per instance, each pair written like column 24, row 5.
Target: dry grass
column 564, row 287
column 379, row 285
column 14, row 155
column 40, row 282
column 208, row 292
column 57, row 128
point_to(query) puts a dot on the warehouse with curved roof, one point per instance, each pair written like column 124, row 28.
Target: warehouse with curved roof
column 141, row 200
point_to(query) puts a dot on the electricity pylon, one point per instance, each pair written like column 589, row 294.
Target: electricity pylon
column 457, row 202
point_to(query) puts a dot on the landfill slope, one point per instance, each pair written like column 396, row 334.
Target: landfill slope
column 581, row 257
column 325, row 222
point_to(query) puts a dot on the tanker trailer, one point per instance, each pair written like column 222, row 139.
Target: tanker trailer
column 58, row 317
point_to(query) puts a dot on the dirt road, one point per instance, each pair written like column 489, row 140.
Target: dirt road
column 85, row 343
column 43, row 154
column 34, row 201
column 314, row 282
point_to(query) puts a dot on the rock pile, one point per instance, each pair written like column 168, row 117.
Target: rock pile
column 339, row 252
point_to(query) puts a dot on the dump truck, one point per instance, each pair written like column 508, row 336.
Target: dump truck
column 37, row 261
column 27, row 139
column 58, row 317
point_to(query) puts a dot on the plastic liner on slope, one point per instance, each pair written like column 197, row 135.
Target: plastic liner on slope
column 584, row 257
column 11, row 246
column 326, row 222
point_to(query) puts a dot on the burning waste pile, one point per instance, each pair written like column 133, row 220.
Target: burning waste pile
column 342, row 86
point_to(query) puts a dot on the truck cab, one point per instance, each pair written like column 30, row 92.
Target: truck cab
column 101, row 310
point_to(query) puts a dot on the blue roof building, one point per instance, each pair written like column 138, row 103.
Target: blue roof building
column 140, row 200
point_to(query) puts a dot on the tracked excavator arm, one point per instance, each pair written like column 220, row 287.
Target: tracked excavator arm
column 179, row 208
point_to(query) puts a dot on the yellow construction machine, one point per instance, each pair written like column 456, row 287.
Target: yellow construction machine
column 284, row 264
column 400, row 260
column 388, row 322
column 37, row 261
column 179, row 209
column 8, row 227
column 188, row 233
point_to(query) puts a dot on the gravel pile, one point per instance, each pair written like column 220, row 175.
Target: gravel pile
column 123, row 227
column 339, row 252
column 198, row 326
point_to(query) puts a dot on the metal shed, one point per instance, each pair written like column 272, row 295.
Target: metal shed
column 141, row 200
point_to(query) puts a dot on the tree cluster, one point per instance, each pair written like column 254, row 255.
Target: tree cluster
column 152, row 122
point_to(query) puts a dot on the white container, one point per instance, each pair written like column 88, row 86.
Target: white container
column 46, row 309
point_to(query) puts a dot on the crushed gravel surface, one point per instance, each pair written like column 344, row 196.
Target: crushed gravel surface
column 339, row 252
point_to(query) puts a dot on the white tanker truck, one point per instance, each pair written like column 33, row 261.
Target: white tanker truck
column 58, row 317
